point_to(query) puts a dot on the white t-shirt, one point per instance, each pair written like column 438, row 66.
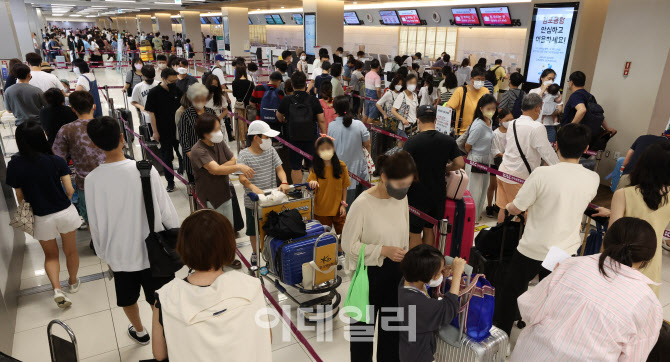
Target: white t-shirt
column 219, row 74
column 427, row 99
column 316, row 71
column 114, row 198
column 555, row 197
column 548, row 119
column 140, row 92
column 412, row 103
column 84, row 83
column 499, row 142
column 388, row 98
column 94, row 47
column 45, row 81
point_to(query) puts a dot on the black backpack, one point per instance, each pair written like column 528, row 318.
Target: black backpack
column 516, row 109
column 595, row 115
column 302, row 127
column 491, row 77
column 205, row 75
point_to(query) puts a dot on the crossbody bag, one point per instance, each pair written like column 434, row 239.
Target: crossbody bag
column 518, row 146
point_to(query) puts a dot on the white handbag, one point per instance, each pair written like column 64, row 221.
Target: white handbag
column 24, row 219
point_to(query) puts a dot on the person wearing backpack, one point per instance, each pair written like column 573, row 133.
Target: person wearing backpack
column 583, row 108
column 500, row 75
column 304, row 117
column 513, row 96
column 324, row 77
column 266, row 98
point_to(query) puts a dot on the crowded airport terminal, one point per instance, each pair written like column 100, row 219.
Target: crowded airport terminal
column 335, row 180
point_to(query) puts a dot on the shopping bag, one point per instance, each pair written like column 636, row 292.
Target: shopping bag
column 478, row 308
column 358, row 297
column 371, row 164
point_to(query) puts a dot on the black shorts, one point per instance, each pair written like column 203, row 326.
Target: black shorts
column 433, row 206
column 296, row 158
column 127, row 286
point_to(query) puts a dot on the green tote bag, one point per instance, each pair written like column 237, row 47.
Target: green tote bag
column 359, row 290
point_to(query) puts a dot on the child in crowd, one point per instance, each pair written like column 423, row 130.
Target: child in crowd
column 424, row 266
column 326, row 101
column 330, row 178
column 264, row 160
column 428, row 95
column 550, row 102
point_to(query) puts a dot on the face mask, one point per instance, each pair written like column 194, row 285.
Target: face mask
column 181, row 70
column 478, row 84
column 171, row 86
column 76, row 71
column 489, row 114
column 266, row 144
column 548, row 82
column 505, row 124
column 434, row 283
column 217, row 137
column 327, row 154
column 303, row 57
column 138, row 66
column 411, row 87
column 199, row 105
column 395, row 193
column 162, row 65
column 398, row 87
column 214, row 89
column 149, row 81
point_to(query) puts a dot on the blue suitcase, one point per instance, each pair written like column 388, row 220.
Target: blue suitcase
column 289, row 256
column 312, row 227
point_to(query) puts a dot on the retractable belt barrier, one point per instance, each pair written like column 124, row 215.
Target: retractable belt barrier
column 244, row 260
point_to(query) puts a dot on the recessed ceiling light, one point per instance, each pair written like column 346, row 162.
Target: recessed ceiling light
column 282, row 7
column 121, row 1
column 75, row 16
column 258, row 9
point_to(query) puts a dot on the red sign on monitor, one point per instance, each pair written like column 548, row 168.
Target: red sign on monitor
column 409, row 17
column 466, row 16
column 496, row 16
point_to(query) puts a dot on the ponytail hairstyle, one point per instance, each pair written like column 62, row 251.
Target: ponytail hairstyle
column 318, row 165
column 651, row 175
column 399, row 78
column 629, row 240
column 396, row 166
column 428, row 78
column 326, row 91
column 341, row 106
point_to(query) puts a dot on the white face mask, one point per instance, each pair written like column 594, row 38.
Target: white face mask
column 199, row 105
column 303, row 57
column 181, row 70
column 138, row 66
column 548, row 82
column 411, row 87
column 217, row 137
column 266, row 144
column 326, row 155
column 398, row 87
column 505, row 124
column 478, row 84
column 76, row 71
column 434, row 283
column 162, row 65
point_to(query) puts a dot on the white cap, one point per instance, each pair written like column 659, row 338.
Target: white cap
column 260, row 127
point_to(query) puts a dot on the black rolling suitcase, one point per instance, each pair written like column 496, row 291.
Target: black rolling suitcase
column 128, row 117
column 494, row 248
column 238, row 222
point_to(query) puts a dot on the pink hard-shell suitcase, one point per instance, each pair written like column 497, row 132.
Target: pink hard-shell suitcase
column 457, row 183
column 461, row 216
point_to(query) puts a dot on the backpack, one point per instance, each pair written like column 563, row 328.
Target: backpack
column 269, row 104
column 516, row 109
column 318, row 81
column 178, row 43
column 491, row 77
column 595, row 115
column 302, row 127
column 206, row 75
column 167, row 45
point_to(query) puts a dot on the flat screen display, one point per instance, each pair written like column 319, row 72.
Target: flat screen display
column 277, row 18
column 217, row 20
column 498, row 16
column 298, row 19
column 389, row 17
column 550, row 38
column 409, row 17
column 466, row 16
column 310, row 33
column 350, row 18
column 202, row 21
column 269, row 20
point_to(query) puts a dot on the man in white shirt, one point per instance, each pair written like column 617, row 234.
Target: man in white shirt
column 217, row 69
column 40, row 79
column 118, row 221
column 533, row 145
column 141, row 90
column 317, row 71
column 555, row 198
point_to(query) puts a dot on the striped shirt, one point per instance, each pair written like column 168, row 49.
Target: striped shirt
column 264, row 165
column 187, row 136
column 577, row 314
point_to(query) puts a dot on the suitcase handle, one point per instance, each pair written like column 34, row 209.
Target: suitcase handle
column 448, row 260
column 508, row 219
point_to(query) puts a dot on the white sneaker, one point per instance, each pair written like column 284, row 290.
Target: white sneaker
column 61, row 300
column 74, row 287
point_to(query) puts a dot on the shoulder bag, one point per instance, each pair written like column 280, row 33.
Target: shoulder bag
column 163, row 257
column 358, row 296
column 518, row 146
column 460, row 116
column 24, row 219
column 239, row 103
column 390, row 123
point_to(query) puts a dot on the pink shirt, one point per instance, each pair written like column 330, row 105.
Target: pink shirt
column 577, row 314
column 373, row 80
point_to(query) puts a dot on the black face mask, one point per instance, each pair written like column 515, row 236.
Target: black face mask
column 395, row 193
column 171, row 87
column 214, row 89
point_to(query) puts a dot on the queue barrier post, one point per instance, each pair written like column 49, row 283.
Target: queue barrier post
column 191, row 199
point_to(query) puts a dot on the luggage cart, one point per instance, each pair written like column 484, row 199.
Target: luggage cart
column 62, row 350
column 326, row 302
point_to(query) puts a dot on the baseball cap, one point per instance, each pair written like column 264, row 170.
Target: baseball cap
column 261, row 128
column 219, row 57
column 425, row 111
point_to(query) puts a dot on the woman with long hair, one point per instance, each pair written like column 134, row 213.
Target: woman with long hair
column 242, row 90
column 478, row 149
column 330, row 178
column 11, row 78
column 134, row 76
column 647, row 198
column 217, row 101
column 597, row 307
column 43, row 180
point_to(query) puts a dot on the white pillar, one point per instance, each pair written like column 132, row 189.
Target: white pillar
column 238, row 30
column 329, row 21
column 164, row 22
column 19, row 21
column 192, row 31
column 145, row 23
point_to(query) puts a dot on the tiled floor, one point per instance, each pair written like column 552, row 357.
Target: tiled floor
column 100, row 326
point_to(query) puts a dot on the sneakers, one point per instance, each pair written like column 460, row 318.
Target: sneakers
column 61, row 300
column 143, row 339
column 170, row 188
column 74, row 287
column 254, row 259
column 490, row 211
column 83, row 225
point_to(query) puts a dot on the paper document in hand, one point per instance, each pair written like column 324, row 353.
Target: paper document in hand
column 554, row 256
